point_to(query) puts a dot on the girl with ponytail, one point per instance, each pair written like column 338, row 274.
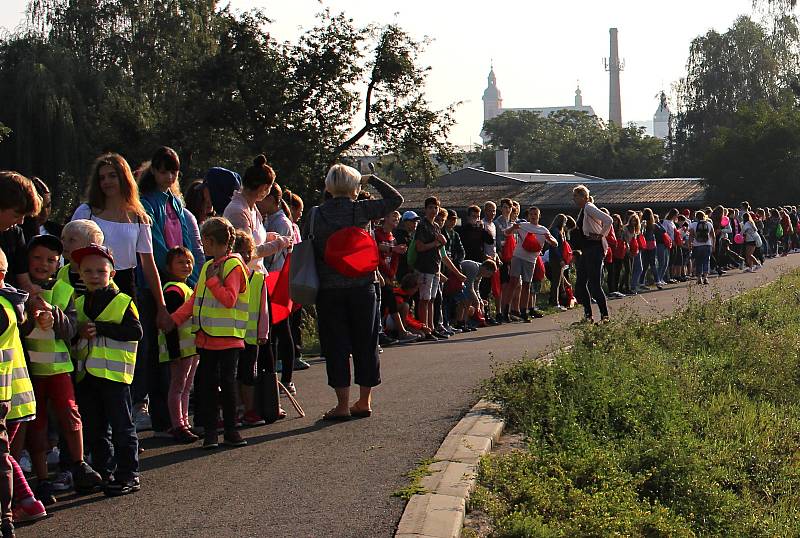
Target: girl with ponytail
column 219, row 311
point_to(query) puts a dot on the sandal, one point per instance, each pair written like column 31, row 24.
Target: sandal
column 333, row 417
column 360, row 413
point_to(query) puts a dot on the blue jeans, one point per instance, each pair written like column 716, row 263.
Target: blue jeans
column 662, row 261
column 702, row 259
column 648, row 262
column 636, row 272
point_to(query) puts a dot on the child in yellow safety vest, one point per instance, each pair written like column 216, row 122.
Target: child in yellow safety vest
column 177, row 347
column 77, row 234
column 219, row 313
column 17, row 405
column 108, row 331
column 50, row 365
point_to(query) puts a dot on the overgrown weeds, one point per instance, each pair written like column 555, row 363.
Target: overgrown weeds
column 688, row 426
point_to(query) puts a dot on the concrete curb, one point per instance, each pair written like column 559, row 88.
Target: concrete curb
column 439, row 513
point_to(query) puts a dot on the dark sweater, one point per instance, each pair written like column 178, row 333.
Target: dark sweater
column 128, row 330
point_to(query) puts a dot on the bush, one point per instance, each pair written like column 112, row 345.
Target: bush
column 679, row 427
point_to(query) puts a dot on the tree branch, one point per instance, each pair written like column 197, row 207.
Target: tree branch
column 368, row 125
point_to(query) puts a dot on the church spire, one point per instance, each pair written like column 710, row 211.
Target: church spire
column 578, row 96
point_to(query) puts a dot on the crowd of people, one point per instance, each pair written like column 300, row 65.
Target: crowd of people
column 153, row 309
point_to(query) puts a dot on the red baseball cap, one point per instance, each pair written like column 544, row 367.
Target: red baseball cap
column 92, row 250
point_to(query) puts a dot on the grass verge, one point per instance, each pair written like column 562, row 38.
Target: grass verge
column 415, row 475
column 685, row 427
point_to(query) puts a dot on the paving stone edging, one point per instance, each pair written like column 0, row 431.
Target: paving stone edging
column 440, row 511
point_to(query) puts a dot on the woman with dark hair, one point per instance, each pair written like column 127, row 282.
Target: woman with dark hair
column 171, row 226
column 243, row 214
column 198, row 201
column 347, row 306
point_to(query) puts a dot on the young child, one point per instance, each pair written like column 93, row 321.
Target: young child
column 77, row 234
column 12, row 358
column 409, row 285
column 51, row 324
column 109, row 331
column 470, row 298
column 177, row 346
column 219, row 312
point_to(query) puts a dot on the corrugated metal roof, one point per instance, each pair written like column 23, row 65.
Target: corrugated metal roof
column 633, row 193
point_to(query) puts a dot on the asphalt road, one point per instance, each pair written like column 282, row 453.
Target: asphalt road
column 307, row 478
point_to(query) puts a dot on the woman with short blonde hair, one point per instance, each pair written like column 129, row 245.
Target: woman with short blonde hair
column 343, row 180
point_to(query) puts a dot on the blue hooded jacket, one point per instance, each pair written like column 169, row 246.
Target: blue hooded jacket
column 222, row 183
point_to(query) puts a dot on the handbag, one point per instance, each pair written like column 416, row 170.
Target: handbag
column 303, row 277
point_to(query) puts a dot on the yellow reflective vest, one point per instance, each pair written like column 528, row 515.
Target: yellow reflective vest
column 23, row 402
column 254, row 307
column 10, row 349
column 50, row 355
column 186, row 337
column 211, row 316
column 105, row 357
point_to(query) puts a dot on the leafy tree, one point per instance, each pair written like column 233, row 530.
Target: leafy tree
column 129, row 75
column 569, row 141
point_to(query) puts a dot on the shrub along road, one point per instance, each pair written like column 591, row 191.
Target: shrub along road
column 307, row 478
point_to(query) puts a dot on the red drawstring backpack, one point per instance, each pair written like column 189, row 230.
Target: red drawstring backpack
column 666, row 240
column 352, row 251
column 566, row 252
column 531, row 243
column 508, row 248
column 497, row 286
column 538, row 271
column 678, row 238
column 635, row 245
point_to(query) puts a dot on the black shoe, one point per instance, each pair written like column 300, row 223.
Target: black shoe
column 211, row 441
column 515, row 316
column 499, row 319
column 440, row 335
column 123, row 487
column 537, row 313
column 44, row 492
column 492, row 321
column 86, row 479
column 234, row 439
column 385, row 341
column 300, row 364
column 430, row 338
column 7, row 531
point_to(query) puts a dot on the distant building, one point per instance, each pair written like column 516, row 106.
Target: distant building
column 661, row 119
column 493, row 104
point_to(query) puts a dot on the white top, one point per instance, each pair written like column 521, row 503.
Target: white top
column 693, row 229
column 669, row 227
column 490, row 250
column 124, row 239
column 525, row 228
column 749, row 231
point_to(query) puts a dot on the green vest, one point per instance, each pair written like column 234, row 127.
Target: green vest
column 50, row 355
column 23, row 402
column 10, row 347
column 254, row 307
column 63, row 274
column 105, row 357
column 185, row 336
column 211, row 316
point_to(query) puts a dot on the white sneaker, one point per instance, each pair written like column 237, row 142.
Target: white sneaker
column 63, row 481
column 747, row 270
column 25, row 462
column 561, row 308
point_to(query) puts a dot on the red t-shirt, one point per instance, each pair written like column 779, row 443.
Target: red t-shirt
column 388, row 261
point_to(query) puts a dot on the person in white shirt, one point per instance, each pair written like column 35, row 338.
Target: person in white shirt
column 589, row 237
column 668, row 272
column 524, row 261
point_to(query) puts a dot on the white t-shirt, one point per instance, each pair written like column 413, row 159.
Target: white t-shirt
column 669, row 227
column 125, row 239
column 693, row 228
column 490, row 250
column 525, row 228
column 749, row 231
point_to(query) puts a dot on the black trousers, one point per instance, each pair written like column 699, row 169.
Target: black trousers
column 105, row 403
column 283, row 348
column 151, row 378
column 347, row 324
column 296, row 324
column 217, row 370
column 589, row 273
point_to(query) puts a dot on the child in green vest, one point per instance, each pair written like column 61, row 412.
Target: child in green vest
column 77, row 234
column 12, row 311
column 108, row 331
column 50, row 366
column 177, row 347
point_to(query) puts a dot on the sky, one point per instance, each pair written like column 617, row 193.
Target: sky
column 540, row 49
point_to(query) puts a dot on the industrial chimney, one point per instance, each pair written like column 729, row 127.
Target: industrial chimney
column 614, row 66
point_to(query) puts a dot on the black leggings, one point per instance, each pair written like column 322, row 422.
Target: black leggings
column 588, row 277
column 218, row 370
column 283, row 348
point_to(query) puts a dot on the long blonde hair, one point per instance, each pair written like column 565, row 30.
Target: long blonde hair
column 127, row 186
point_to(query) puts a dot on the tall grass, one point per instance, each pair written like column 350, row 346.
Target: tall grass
column 688, row 426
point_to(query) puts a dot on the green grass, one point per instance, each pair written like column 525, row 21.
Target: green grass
column 308, row 332
column 415, row 476
column 685, row 427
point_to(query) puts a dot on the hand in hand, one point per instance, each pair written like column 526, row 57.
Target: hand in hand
column 44, row 318
column 87, row 330
column 164, row 320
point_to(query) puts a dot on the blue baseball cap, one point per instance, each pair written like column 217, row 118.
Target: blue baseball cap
column 410, row 215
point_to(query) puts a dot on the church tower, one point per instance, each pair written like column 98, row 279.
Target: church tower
column 492, row 102
column 661, row 119
column 578, row 98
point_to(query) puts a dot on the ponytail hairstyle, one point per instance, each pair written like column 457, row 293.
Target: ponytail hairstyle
column 276, row 193
column 295, row 204
column 164, row 158
column 127, row 186
column 648, row 219
column 244, row 246
column 259, row 174
column 220, row 230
